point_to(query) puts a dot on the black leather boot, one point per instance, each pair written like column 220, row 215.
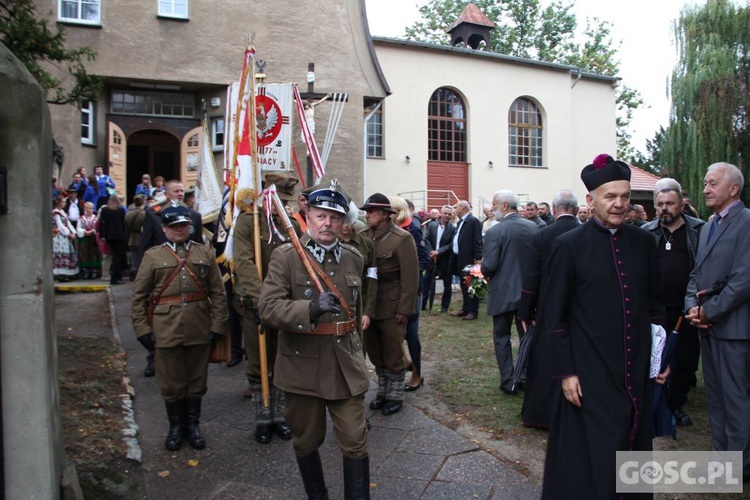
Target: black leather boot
column 357, row 478
column 175, row 410
column 311, row 470
column 192, row 431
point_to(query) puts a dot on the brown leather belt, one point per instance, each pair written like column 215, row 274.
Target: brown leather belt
column 338, row 329
column 185, row 297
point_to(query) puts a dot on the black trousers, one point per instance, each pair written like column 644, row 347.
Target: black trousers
column 687, row 355
column 430, row 276
column 119, row 258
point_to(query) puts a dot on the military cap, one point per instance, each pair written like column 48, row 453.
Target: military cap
column 285, row 185
column 330, row 198
column 378, row 200
column 175, row 214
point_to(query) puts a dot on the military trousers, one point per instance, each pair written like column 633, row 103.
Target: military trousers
column 385, row 344
column 306, row 417
column 182, row 372
column 250, row 337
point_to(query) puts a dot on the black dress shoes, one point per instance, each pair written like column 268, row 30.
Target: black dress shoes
column 263, row 433
column 459, row 314
column 392, row 407
column 469, row 317
column 116, row 282
column 682, row 418
column 377, row 403
column 509, row 392
column 283, row 430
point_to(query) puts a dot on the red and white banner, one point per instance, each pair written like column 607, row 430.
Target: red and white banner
column 273, row 109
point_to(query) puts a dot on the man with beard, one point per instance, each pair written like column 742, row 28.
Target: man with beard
column 604, row 292
column 676, row 236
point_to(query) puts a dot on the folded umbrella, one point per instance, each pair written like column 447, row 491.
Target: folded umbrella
column 664, row 423
column 524, row 348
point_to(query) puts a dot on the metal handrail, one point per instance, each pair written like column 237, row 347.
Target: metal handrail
column 422, row 197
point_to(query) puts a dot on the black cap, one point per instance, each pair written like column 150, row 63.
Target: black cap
column 174, row 215
column 604, row 169
column 378, row 200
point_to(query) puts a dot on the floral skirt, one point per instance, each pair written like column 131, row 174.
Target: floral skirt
column 88, row 253
column 64, row 259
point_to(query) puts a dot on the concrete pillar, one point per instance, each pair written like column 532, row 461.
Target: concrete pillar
column 31, row 431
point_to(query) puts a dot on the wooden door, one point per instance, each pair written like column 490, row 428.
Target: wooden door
column 117, row 158
column 447, row 182
column 190, row 154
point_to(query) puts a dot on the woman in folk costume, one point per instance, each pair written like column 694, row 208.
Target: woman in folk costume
column 89, row 258
column 64, row 260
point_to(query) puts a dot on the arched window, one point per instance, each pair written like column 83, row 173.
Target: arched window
column 524, row 134
column 447, row 127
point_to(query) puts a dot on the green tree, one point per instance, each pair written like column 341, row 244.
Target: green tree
column 524, row 29
column 45, row 55
column 651, row 160
column 710, row 96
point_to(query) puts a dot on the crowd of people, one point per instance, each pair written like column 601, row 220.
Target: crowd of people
column 584, row 282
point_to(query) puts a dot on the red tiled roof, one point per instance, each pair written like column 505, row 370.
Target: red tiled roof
column 472, row 14
column 640, row 180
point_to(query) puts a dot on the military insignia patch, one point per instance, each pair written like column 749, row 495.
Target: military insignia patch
column 308, row 293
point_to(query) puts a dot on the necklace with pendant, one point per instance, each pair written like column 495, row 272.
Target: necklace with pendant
column 668, row 244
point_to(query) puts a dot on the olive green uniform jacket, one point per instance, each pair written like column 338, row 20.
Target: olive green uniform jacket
column 398, row 270
column 366, row 247
column 180, row 323
column 246, row 279
column 323, row 366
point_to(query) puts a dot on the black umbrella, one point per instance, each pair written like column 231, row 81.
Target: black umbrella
column 524, row 348
column 664, row 423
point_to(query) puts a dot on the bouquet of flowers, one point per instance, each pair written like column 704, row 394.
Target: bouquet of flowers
column 475, row 281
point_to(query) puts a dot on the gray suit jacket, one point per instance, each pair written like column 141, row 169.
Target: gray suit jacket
column 725, row 257
column 507, row 250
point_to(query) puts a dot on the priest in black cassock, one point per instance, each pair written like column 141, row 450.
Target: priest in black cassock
column 603, row 294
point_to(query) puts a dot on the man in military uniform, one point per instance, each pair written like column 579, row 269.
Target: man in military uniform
column 179, row 311
column 320, row 363
column 247, row 284
column 153, row 235
column 398, row 283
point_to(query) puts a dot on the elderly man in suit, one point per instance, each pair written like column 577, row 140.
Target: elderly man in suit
column 540, row 386
column 467, row 250
column 440, row 237
column 507, row 247
column 718, row 303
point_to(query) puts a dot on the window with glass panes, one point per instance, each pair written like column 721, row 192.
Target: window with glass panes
column 525, row 134
column 79, row 11
column 174, row 104
column 173, row 8
column 446, row 127
column 87, row 122
column 375, row 134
